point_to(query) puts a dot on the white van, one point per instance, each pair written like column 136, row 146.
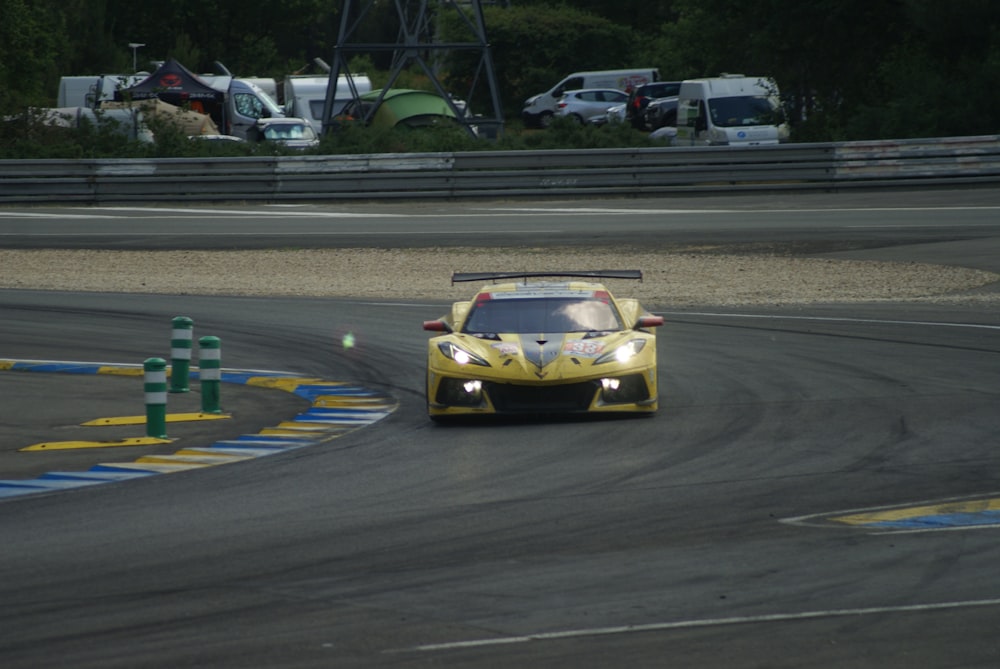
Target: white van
column 305, row 95
column 538, row 109
column 732, row 109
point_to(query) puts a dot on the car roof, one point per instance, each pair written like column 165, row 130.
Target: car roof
column 657, row 84
column 588, row 90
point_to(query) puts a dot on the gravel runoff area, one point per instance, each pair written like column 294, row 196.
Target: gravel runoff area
column 678, row 277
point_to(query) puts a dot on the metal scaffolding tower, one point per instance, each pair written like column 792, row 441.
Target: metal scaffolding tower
column 418, row 42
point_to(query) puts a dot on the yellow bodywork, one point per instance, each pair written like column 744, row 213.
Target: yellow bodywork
column 471, row 372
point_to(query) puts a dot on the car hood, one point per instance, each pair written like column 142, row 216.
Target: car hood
column 544, row 354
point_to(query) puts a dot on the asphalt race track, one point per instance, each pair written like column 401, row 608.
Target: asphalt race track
column 819, row 488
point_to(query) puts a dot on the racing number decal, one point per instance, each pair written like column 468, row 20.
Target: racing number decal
column 582, row 348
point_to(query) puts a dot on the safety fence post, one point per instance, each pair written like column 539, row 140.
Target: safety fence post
column 180, row 354
column 210, row 373
column 155, row 386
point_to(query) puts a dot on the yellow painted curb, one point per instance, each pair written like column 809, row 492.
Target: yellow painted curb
column 350, row 402
column 291, row 427
column 171, row 418
column 288, row 384
column 69, row 445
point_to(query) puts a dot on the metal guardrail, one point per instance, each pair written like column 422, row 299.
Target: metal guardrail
column 630, row 171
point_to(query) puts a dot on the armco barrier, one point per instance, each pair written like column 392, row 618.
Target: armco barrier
column 630, row 171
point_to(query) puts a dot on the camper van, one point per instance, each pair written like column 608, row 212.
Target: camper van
column 77, row 91
column 732, row 109
column 538, row 109
column 91, row 90
column 305, row 95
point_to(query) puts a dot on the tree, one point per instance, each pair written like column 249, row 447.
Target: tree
column 534, row 46
column 31, row 46
column 941, row 79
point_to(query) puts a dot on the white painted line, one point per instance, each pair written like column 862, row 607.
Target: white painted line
column 598, row 210
column 509, row 230
column 247, row 212
column 637, row 210
column 706, row 622
column 38, row 214
column 831, row 319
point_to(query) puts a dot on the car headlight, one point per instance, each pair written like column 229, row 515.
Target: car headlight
column 623, row 353
column 460, row 355
column 718, row 136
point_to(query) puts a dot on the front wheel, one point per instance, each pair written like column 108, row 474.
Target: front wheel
column 545, row 120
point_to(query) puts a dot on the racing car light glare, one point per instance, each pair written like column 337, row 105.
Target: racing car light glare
column 623, row 353
column 460, row 355
column 460, row 392
column 611, row 384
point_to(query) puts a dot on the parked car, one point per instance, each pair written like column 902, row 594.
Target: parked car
column 296, row 133
column 589, row 105
column 616, row 114
column 661, row 112
column 640, row 97
column 539, row 109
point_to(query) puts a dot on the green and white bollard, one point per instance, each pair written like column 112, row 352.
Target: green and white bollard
column 180, row 354
column 210, row 373
column 155, row 386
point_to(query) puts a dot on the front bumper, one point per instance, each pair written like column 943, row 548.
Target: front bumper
column 629, row 392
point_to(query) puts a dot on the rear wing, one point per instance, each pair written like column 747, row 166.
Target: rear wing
column 458, row 277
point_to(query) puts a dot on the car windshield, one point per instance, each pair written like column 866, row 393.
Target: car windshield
column 288, row 131
column 744, row 110
column 537, row 315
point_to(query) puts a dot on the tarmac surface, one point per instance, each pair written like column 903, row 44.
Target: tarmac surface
column 90, row 422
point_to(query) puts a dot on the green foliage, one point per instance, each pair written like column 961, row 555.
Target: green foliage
column 941, row 80
column 29, row 51
column 35, row 135
column 847, row 69
column 532, row 47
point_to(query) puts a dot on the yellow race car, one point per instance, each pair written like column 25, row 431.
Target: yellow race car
column 540, row 347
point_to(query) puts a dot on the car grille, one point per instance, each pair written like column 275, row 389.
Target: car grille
column 540, row 399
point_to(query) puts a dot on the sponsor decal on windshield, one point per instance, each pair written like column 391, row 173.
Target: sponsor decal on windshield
column 539, row 292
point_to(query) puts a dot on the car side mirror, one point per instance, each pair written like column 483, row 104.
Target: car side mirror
column 438, row 326
column 649, row 322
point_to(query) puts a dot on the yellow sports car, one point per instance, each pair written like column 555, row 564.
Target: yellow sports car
column 539, row 347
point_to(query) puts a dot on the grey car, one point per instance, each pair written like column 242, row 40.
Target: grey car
column 641, row 96
column 588, row 105
column 660, row 113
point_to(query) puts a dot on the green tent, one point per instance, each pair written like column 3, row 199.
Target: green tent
column 412, row 108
